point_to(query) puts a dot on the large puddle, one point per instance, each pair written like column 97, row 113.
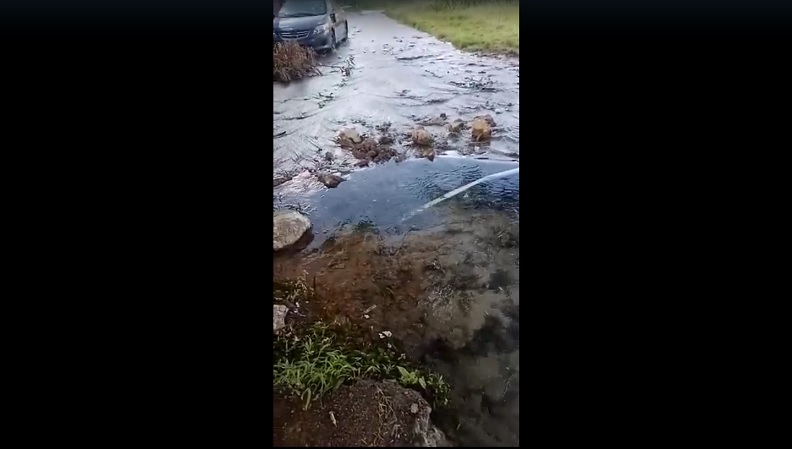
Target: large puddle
column 444, row 281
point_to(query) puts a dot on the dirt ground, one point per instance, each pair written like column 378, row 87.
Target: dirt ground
column 414, row 285
column 366, row 414
column 449, row 295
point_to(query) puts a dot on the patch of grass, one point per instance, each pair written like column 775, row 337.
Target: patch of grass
column 318, row 358
column 291, row 61
column 491, row 26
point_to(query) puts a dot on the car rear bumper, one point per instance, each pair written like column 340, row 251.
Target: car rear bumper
column 317, row 41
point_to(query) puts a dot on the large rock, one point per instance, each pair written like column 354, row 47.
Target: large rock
column 428, row 153
column 278, row 317
column 421, row 137
column 487, row 118
column 330, row 181
column 481, row 130
column 456, row 126
column 288, row 228
column 347, row 137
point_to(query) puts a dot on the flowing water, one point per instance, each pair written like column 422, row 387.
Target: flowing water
column 445, row 280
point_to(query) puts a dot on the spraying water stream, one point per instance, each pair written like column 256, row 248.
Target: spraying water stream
column 459, row 190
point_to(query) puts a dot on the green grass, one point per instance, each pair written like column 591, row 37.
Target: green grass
column 316, row 359
column 490, row 26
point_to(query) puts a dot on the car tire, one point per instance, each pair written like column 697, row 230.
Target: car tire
column 346, row 30
column 335, row 42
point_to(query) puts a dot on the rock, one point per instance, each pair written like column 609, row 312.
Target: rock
column 367, row 145
column 348, row 136
column 278, row 317
column 487, row 118
column 433, row 121
column 385, row 139
column 362, row 163
column 328, row 156
column 428, row 153
column 481, row 130
column 278, row 180
column 331, row 181
column 456, row 126
column 443, row 115
column 371, row 154
column 288, row 228
column 421, row 137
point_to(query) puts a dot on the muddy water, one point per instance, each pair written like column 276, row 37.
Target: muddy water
column 400, row 75
column 445, row 282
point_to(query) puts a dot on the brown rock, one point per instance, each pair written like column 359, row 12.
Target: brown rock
column 348, row 137
column 330, row 181
column 428, row 153
column 434, row 121
column 421, row 137
column 487, row 118
column 368, row 144
column 481, row 130
column 456, row 126
column 372, row 154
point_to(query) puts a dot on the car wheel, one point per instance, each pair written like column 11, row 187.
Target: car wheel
column 335, row 42
column 346, row 30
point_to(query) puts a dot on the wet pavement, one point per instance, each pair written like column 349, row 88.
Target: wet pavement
column 400, row 75
column 446, row 280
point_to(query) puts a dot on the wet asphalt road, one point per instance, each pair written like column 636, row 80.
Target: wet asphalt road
column 399, row 75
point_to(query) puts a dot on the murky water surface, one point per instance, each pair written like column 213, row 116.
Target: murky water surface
column 445, row 282
column 400, row 75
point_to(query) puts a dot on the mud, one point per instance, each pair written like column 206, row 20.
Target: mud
column 379, row 414
column 399, row 76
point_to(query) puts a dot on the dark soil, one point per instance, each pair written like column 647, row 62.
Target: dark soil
column 415, row 285
column 450, row 297
column 367, row 413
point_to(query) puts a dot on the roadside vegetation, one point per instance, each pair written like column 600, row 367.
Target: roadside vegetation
column 314, row 359
column 291, row 61
column 489, row 26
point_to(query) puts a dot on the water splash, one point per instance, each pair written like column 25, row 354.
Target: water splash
column 459, row 190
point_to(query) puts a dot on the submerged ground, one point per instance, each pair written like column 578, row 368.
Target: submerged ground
column 444, row 283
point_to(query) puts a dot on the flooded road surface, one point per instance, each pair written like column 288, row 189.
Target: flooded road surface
column 400, row 75
column 445, row 281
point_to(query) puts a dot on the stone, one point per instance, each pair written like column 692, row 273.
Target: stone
column 421, row 137
column 456, row 126
column 428, row 153
column 328, row 156
column 279, row 312
column 348, row 137
column 330, row 181
column 487, row 118
column 288, row 228
column 481, row 130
